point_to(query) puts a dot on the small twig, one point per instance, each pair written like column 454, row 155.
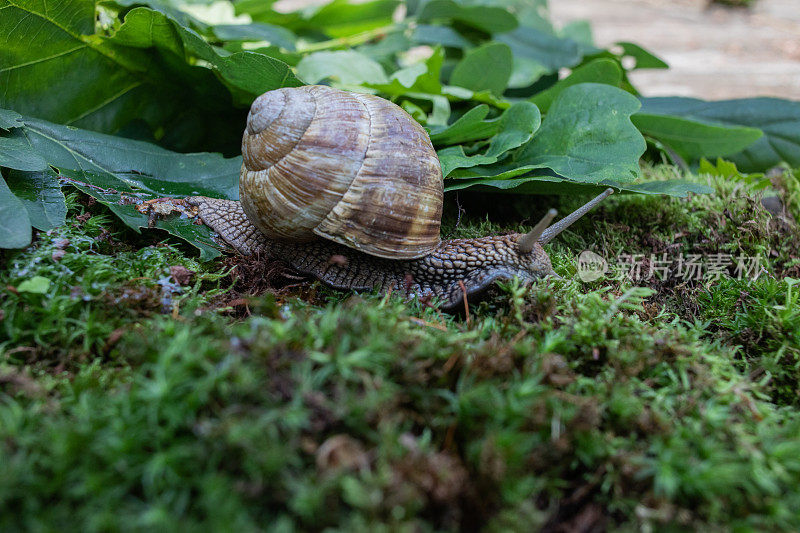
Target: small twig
column 387, row 296
column 349, row 41
column 451, row 362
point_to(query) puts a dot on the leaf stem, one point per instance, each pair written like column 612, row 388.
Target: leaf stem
column 350, row 40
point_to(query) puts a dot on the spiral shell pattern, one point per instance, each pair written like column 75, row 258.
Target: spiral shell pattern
column 353, row 168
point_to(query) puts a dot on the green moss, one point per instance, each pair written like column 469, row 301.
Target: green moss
column 621, row 404
column 95, row 284
column 764, row 319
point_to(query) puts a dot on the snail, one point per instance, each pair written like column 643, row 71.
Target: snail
column 347, row 187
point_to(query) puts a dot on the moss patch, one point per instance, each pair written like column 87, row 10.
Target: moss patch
column 141, row 389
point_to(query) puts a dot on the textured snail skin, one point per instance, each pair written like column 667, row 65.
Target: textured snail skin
column 455, row 269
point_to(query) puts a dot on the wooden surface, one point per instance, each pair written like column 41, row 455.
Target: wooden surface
column 714, row 53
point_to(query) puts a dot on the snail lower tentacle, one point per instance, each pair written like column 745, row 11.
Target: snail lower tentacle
column 454, row 269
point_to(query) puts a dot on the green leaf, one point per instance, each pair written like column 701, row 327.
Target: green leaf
column 121, row 198
column 597, row 71
column 248, row 71
column 485, row 18
column 40, row 194
column 453, row 157
column 120, row 171
column 133, row 162
column 469, row 127
column 580, row 31
column 587, row 136
column 439, row 35
column 487, row 67
column 51, row 68
column 171, row 8
column 35, row 285
column 417, row 78
column 421, row 81
column 513, row 128
column 45, row 57
column 556, row 185
column 52, row 61
column 692, row 139
column 336, row 19
column 778, row 119
column 15, row 226
column 8, row 119
column 346, row 67
column 342, row 18
column 546, row 49
column 16, row 152
column 679, row 188
column 643, row 58
column 256, row 31
column 526, row 72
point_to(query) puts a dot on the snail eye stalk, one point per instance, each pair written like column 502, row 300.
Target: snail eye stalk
column 567, row 221
column 525, row 242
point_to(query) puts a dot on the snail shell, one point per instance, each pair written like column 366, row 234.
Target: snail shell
column 353, row 168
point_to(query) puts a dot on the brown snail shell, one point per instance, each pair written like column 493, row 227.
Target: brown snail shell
column 350, row 167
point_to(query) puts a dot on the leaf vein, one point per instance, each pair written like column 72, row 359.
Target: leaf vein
column 42, row 59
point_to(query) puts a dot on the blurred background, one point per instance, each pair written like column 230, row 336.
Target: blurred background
column 715, row 51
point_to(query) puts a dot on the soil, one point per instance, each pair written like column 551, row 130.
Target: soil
column 715, row 52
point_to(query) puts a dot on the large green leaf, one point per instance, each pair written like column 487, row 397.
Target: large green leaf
column 421, row 81
column 487, row 67
column 512, row 129
column 486, row 18
column 692, row 139
column 9, row 119
column 139, row 163
column 544, row 48
column 420, row 78
column 52, row 60
column 16, row 154
column 52, row 64
column 249, row 72
column 453, row 157
column 587, row 136
column 256, row 31
column 50, row 70
column 597, row 71
column 778, row 119
column 15, row 226
column 120, row 171
column 346, row 67
column 469, row 127
column 439, row 35
column 336, row 19
column 40, row 194
column 546, row 184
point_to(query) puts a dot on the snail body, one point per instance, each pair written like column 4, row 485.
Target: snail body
column 347, row 187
